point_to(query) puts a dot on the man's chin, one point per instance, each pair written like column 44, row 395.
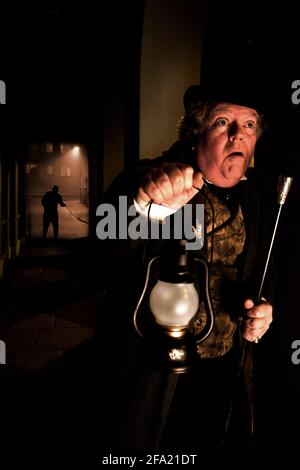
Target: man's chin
column 224, row 182
column 229, row 180
column 227, row 177
column 234, row 172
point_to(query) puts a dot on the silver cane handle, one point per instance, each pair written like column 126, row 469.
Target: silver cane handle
column 283, row 188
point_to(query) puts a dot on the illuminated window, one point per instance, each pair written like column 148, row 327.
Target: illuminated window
column 30, row 167
column 63, row 148
column 49, row 170
column 49, row 148
column 66, row 171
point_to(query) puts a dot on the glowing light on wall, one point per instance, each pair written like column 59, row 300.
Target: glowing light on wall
column 76, row 151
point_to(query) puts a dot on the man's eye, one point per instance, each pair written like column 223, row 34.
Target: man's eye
column 221, row 122
column 250, row 124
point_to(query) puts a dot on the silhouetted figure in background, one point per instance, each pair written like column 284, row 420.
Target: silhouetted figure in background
column 50, row 200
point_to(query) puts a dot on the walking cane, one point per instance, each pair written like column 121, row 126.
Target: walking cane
column 283, row 188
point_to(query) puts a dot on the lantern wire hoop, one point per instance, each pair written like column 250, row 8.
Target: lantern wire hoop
column 142, row 296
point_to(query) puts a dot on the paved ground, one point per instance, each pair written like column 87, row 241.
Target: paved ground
column 48, row 315
column 69, row 225
column 45, row 310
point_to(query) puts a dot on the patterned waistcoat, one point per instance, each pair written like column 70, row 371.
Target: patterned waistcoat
column 225, row 236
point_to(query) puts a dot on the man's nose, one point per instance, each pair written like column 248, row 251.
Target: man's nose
column 235, row 132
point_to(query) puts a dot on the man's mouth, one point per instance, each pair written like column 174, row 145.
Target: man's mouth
column 236, row 154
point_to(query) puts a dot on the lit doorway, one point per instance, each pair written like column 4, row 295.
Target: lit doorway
column 50, row 166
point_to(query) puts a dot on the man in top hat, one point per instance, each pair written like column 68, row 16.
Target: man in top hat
column 222, row 136
column 210, row 165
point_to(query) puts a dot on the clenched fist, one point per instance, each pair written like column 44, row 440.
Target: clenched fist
column 170, row 184
column 257, row 321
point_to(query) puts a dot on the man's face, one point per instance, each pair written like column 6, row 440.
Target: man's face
column 227, row 145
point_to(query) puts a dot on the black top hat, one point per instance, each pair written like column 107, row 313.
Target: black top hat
column 226, row 93
column 235, row 77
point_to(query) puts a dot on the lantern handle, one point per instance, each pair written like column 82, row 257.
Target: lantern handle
column 142, row 296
